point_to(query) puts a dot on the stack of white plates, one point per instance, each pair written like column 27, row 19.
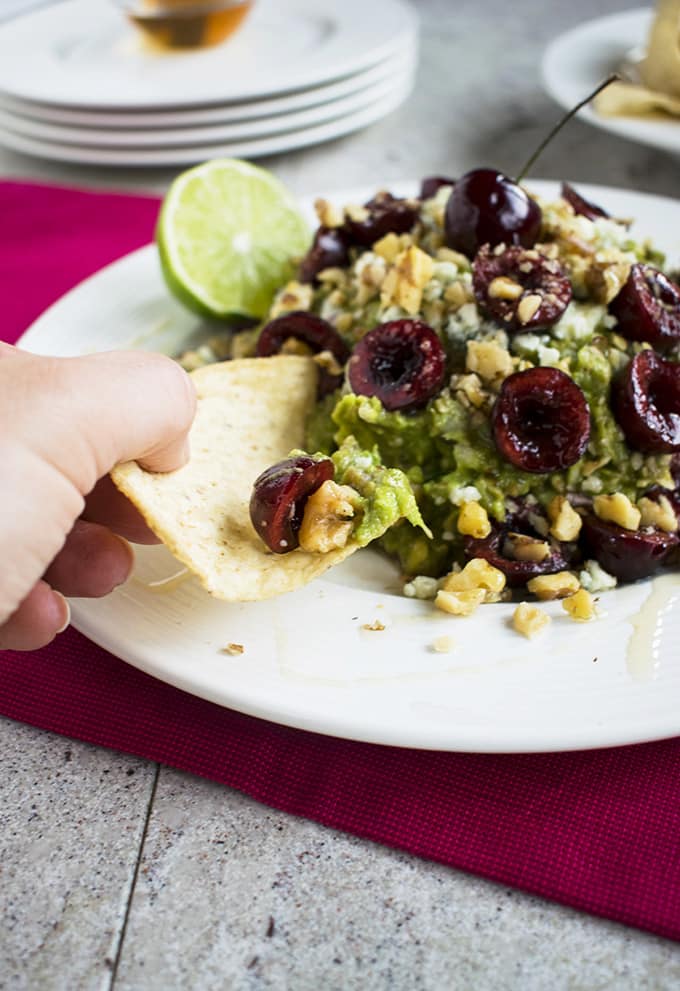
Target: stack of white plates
column 78, row 85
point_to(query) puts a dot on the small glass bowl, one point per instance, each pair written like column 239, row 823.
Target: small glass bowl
column 173, row 24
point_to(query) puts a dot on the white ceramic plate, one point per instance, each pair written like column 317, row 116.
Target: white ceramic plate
column 191, row 153
column 204, row 135
column 393, row 67
column 85, row 55
column 308, row 660
column 577, row 61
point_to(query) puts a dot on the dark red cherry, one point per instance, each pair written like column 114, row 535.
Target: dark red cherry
column 541, row 420
column 648, row 308
column 646, row 403
column 330, row 249
column 626, row 554
column 401, row 362
column 431, row 185
column 493, row 549
column 386, row 214
column 544, row 289
column 581, row 206
column 487, row 207
column 277, row 503
column 308, row 328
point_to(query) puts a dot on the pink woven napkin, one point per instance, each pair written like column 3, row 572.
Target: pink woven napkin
column 597, row 830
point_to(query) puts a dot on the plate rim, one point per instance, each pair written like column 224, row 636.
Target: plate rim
column 191, row 135
column 205, row 115
column 185, row 155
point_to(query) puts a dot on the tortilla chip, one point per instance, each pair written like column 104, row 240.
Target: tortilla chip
column 628, row 100
column 660, row 69
column 653, row 86
column 251, row 413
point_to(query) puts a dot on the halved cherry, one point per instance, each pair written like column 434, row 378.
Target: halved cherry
column 330, row 249
column 520, row 288
column 648, row 308
column 386, row 214
column 517, row 572
column 580, row 205
column 402, row 362
column 541, row 420
column 308, row 328
column 277, row 503
column 646, row 403
column 626, row 554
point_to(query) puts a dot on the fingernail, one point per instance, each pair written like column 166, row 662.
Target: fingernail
column 67, row 611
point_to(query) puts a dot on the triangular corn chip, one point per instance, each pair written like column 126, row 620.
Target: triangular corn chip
column 251, row 413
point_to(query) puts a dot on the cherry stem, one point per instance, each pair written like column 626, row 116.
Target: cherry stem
column 560, row 124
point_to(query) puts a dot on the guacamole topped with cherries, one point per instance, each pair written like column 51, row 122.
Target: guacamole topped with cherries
column 518, row 368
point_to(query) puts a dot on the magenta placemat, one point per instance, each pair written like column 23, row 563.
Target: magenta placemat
column 597, row 830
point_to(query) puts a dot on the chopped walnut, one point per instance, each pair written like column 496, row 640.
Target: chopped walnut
column 376, row 626
column 457, row 294
column 504, row 288
column 469, row 391
column 328, row 518
column 529, row 620
column 473, row 520
column 547, row 587
column 405, row 281
column 606, row 276
column 357, row 213
column 389, row 246
column 461, row 603
column 294, row 296
column 658, row 513
column 520, row 547
column 580, row 606
column 489, row 360
column 528, row 307
column 328, row 361
column 565, row 522
column 477, row 575
column 617, row 509
column 328, row 214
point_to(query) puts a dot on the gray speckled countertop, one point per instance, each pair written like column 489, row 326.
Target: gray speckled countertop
column 116, row 872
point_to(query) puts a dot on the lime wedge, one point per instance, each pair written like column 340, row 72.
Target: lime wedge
column 229, row 235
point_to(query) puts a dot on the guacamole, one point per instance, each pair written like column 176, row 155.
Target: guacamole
column 423, row 469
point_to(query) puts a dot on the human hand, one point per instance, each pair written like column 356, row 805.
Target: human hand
column 64, row 423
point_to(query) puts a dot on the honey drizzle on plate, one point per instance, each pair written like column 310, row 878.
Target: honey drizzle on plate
column 644, row 645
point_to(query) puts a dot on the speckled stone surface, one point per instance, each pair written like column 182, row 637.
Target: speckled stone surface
column 71, row 821
column 294, row 905
column 230, row 895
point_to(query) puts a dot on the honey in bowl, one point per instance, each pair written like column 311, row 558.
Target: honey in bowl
column 187, row 23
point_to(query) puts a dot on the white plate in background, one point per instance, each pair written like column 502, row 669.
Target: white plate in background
column 190, row 154
column 85, row 55
column 577, row 61
column 227, row 133
column 395, row 67
column 309, row 662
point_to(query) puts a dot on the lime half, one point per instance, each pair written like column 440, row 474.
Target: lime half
column 229, row 235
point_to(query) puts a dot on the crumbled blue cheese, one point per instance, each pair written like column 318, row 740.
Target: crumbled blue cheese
column 594, row 578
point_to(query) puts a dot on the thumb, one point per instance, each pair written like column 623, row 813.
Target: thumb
column 106, row 408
